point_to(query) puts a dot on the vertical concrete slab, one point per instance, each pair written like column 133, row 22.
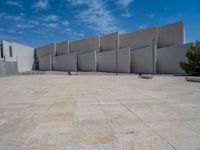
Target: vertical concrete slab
column 6, row 45
column 62, row 48
column 140, row 39
column 24, row 55
column 87, row 61
column 85, row 45
column 25, row 64
column 45, row 63
column 170, row 35
column 8, row 68
column 170, row 57
column 109, row 42
column 124, row 60
column 46, row 50
column 106, row 61
column 142, row 60
column 67, row 62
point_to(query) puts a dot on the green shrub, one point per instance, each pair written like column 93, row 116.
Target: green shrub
column 192, row 66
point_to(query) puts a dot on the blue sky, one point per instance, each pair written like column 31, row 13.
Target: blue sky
column 37, row 22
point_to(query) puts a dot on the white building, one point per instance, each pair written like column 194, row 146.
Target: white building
column 21, row 54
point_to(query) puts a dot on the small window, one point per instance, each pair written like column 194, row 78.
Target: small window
column 1, row 49
column 10, row 51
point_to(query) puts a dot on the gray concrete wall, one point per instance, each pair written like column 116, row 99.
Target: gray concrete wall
column 24, row 55
column 45, row 63
column 8, row 68
column 106, row 61
column 25, row 64
column 109, row 42
column 169, row 58
column 85, row 45
column 170, row 35
column 67, row 62
column 46, row 50
column 140, row 39
column 124, row 60
column 142, row 60
column 62, row 48
column 87, row 61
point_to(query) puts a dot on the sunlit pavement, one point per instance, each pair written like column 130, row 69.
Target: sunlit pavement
column 103, row 112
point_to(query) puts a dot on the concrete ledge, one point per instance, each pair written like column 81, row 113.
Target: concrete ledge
column 192, row 79
column 34, row 72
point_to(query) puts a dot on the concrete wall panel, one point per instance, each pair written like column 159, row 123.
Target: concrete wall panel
column 23, row 54
column 124, row 60
column 109, row 42
column 46, row 50
column 85, row 45
column 22, row 50
column 8, row 68
column 106, row 61
column 142, row 60
column 45, row 63
column 170, row 35
column 139, row 39
column 62, row 48
column 87, row 61
column 25, row 57
column 24, row 63
column 170, row 57
column 66, row 62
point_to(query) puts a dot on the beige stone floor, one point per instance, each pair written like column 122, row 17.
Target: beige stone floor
column 59, row 112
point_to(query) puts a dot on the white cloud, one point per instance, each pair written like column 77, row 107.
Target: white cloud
column 126, row 14
column 51, row 25
column 152, row 15
column 142, row 26
column 124, row 3
column 96, row 16
column 41, row 4
column 24, row 26
column 14, row 31
column 14, row 3
column 52, row 18
column 34, row 22
column 12, row 17
column 65, row 23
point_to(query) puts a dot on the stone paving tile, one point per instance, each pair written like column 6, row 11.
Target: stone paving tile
column 99, row 112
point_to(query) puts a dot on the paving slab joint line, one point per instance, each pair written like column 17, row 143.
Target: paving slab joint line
column 148, row 125
column 108, row 122
column 41, row 116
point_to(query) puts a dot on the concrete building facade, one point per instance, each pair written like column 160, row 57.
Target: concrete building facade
column 12, row 53
column 154, row 51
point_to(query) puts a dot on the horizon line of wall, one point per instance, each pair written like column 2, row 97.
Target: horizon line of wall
column 153, row 50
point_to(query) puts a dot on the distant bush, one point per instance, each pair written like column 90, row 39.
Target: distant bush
column 192, row 66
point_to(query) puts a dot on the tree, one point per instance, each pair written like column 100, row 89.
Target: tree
column 192, row 66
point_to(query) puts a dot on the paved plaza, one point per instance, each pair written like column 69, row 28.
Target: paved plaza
column 99, row 112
